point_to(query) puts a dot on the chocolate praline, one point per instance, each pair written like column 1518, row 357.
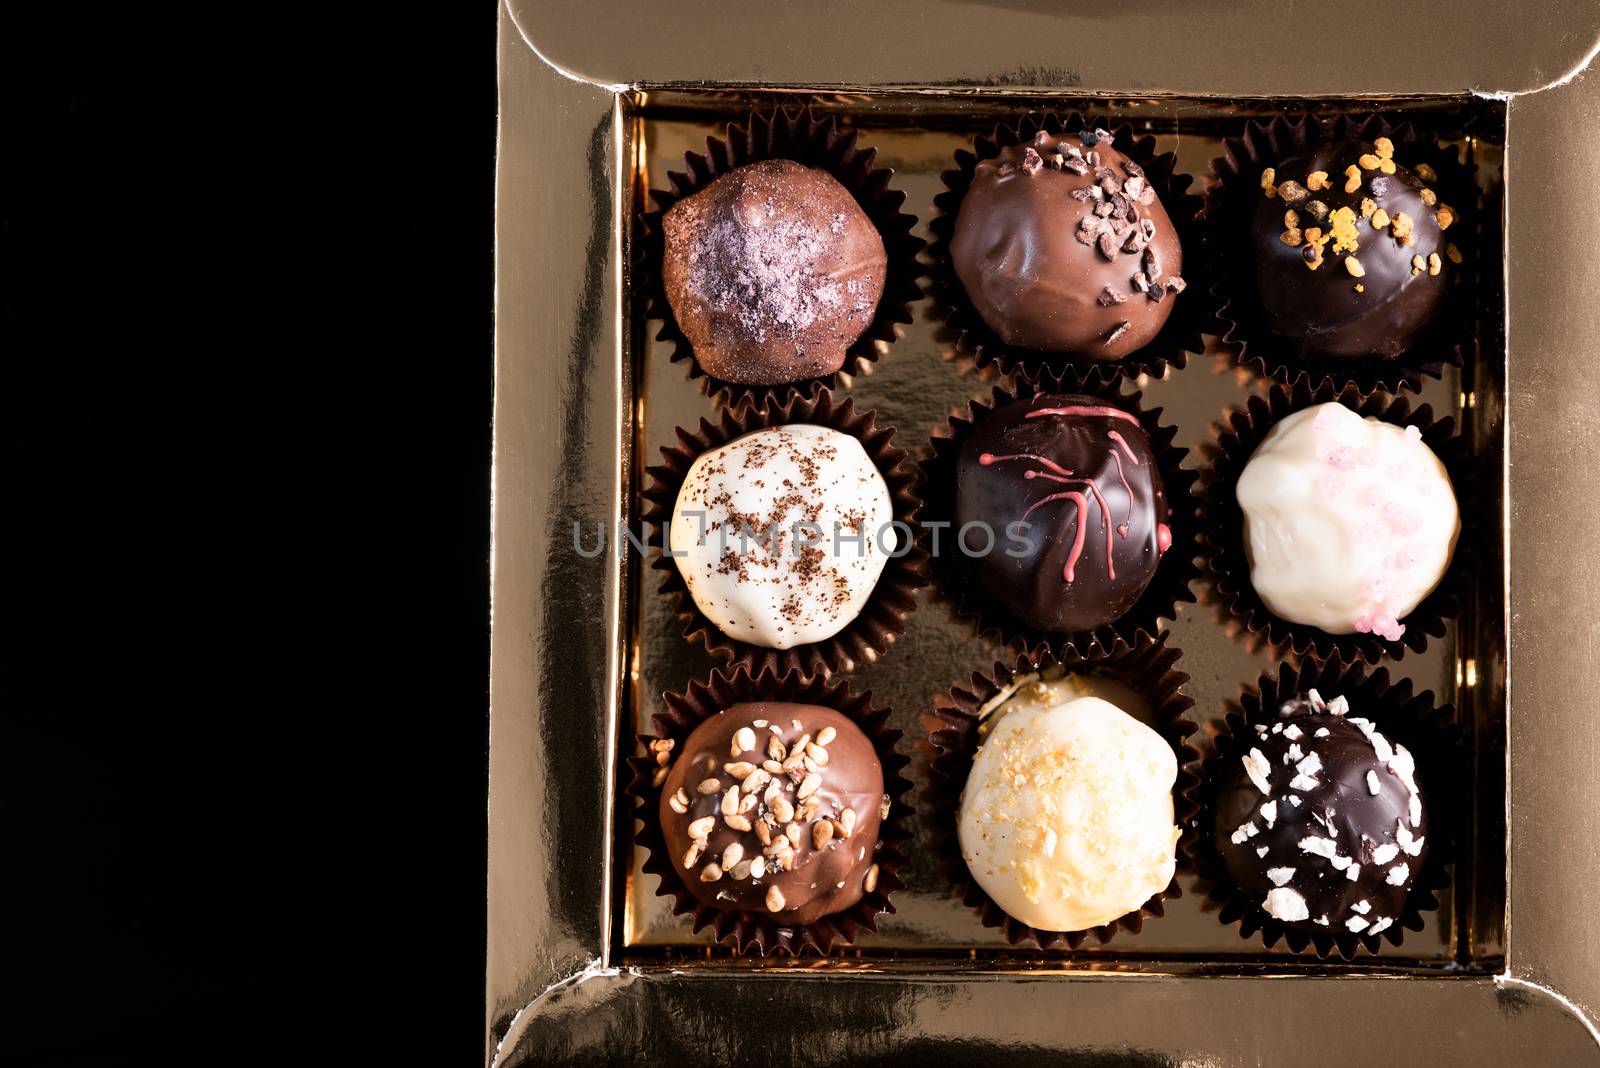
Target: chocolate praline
column 1377, row 269
column 773, row 271
column 799, row 844
column 1061, row 244
column 1068, row 485
column 1320, row 823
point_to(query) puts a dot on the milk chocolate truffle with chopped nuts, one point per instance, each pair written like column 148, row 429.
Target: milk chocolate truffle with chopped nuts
column 774, row 808
column 1068, row 487
column 1061, row 244
column 772, row 271
column 1322, row 823
column 781, row 534
column 1351, row 250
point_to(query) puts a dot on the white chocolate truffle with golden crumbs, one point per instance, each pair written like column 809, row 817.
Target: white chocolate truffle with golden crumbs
column 1067, row 818
column 781, row 534
column 1348, row 522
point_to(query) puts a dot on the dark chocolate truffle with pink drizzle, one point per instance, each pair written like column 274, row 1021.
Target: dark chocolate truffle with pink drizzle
column 1068, row 485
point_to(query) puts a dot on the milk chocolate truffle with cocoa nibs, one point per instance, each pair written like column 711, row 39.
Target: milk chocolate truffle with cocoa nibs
column 772, row 271
column 774, row 808
column 1352, row 254
column 1062, row 245
column 1322, row 823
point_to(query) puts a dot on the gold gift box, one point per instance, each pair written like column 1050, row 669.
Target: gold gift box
column 587, row 964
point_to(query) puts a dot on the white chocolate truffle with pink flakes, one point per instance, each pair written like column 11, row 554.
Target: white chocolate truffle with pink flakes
column 1349, row 522
column 1067, row 821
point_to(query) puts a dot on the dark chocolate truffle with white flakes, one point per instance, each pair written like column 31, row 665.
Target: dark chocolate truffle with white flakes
column 774, row 808
column 1322, row 823
column 1350, row 250
column 1061, row 244
column 773, row 271
column 1068, row 485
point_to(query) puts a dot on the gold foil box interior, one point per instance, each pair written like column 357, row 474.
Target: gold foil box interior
column 585, row 961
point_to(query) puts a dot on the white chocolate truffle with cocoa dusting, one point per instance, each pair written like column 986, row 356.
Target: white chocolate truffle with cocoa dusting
column 781, row 534
column 1348, row 522
column 1067, row 817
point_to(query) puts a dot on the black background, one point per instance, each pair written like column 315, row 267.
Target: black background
column 246, row 318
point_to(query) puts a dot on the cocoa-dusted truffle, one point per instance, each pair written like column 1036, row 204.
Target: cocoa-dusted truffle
column 1061, row 244
column 774, row 808
column 1351, row 252
column 1068, row 487
column 773, row 271
column 1322, row 822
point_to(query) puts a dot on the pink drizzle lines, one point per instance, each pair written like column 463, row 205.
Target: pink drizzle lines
column 1054, row 472
column 1085, row 410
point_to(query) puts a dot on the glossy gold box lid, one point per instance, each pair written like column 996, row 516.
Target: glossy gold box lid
column 557, row 989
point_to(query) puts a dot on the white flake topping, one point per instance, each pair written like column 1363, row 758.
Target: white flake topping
column 1257, row 767
column 1286, row 905
column 1398, row 875
column 1280, row 876
column 1372, row 784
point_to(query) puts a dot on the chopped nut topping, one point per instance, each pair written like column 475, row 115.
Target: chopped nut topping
column 792, row 834
column 826, row 736
column 1292, row 192
column 764, row 832
column 1369, row 207
column 847, row 822
column 744, row 740
column 1353, row 265
column 702, row 827
column 870, row 883
column 738, row 823
column 1425, row 172
column 808, row 786
column 1292, row 238
column 710, row 873
column 782, row 810
column 1386, row 166
column 1352, row 178
column 659, row 777
column 679, row 803
column 739, row 770
column 1445, row 215
column 821, row 833
column 1434, row 263
column 1312, row 254
column 1369, row 162
column 1380, row 219
column 758, row 867
column 709, row 786
column 775, row 900
column 1429, row 197
column 818, row 754
column 1418, row 264
column 1385, row 148
column 1268, row 178
column 1342, row 228
column 1317, row 180
column 1291, row 219
column 1117, row 331
column 1316, row 209
column 732, row 855
column 691, row 856
column 1452, row 254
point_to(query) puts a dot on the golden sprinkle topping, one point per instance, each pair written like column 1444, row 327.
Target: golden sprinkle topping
column 1353, row 265
column 1342, row 225
column 1368, row 206
column 1385, row 148
column 1402, row 228
column 1380, row 219
column 1386, row 166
